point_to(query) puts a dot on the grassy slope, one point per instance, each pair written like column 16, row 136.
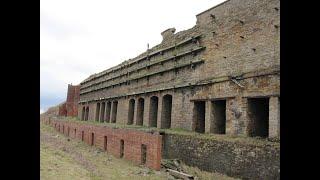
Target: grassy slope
column 64, row 159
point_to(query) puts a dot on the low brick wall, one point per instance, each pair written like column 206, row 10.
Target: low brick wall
column 133, row 140
column 243, row 160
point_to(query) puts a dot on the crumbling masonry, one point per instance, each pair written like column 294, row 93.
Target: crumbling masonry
column 222, row 76
column 220, row 80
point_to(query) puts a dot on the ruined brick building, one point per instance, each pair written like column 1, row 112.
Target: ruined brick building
column 70, row 107
column 221, row 76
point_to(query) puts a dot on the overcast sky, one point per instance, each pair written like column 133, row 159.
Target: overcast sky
column 82, row 37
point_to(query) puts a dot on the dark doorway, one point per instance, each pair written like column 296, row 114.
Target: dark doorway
column 68, row 133
column 140, row 112
column 153, row 113
column 108, row 110
column 82, row 136
column 114, row 111
column 199, row 116
column 103, row 106
column 97, row 112
column 166, row 111
column 143, row 154
column 258, row 116
column 75, row 133
column 105, row 146
column 87, row 114
column 121, row 148
column 92, row 139
column 219, row 117
column 83, row 113
column 131, row 111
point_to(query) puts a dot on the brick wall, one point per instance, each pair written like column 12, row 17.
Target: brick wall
column 133, row 140
column 241, row 38
column 73, row 98
column 62, row 110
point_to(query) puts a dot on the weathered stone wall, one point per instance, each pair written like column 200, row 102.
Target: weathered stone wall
column 221, row 76
column 231, row 54
column 243, row 159
column 132, row 140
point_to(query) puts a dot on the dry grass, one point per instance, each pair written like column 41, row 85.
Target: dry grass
column 63, row 159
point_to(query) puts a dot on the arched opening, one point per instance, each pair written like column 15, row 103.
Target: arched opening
column 97, row 112
column 108, row 110
column 82, row 136
column 114, row 111
column 87, row 114
column 83, row 113
column 121, row 148
column 199, row 116
column 131, row 111
column 166, row 111
column 105, row 146
column 75, row 133
column 153, row 112
column 103, row 106
column 143, row 154
column 140, row 111
column 92, row 139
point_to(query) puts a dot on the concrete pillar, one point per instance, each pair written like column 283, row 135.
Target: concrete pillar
column 244, row 119
column 230, row 117
column 208, row 117
column 274, row 117
column 105, row 111
column 111, row 114
column 236, row 117
column 146, row 119
column 159, row 111
column 135, row 111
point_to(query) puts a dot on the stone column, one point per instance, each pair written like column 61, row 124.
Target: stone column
column 159, row 111
column 101, row 112
column 135, row 111
column 146, row 112
column 208, row 116
column 274, row 117
column 111, row 110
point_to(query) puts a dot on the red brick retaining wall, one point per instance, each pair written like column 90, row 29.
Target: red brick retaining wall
column 133, row 140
